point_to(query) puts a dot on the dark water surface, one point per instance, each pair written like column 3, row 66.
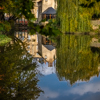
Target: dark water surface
column 33, row 68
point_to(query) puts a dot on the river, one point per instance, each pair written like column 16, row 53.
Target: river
column 34, row 68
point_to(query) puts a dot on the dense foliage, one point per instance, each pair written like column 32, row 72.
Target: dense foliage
column 75, row 15
column 18, row 80
column 50, row 29
column 75, row 60
column 16, row 9
column 4, row 39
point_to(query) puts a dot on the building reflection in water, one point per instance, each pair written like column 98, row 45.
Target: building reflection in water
column 46, row 50
column 39, row 47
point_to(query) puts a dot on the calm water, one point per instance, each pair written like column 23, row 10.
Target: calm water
column 34, row 68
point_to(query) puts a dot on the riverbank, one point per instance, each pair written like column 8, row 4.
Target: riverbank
column 4, row 39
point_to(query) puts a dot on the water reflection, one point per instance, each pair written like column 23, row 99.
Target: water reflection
column 41, row 49
column 64, row 70
column 18, row 80
column 75, row 59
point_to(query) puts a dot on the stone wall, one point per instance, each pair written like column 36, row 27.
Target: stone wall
column 95, row 24
column 48, row 3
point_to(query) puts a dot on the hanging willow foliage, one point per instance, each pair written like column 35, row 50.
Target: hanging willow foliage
column 75, row 59
column 75, row 15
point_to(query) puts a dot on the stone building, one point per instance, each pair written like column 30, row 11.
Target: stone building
column 49, row 13
column 39, row 10
column 36, row 45
column 35, row 10
column 41, row 6
column 31, row 42
column 46, row 50
column 48, row 3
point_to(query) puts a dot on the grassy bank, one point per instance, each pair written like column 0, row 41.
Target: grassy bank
column 4, row 39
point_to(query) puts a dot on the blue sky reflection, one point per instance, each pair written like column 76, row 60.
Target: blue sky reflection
column 62, row 90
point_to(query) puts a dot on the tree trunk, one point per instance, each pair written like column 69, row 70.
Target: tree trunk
column 2, row 16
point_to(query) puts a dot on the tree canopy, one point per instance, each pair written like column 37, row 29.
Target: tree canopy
column 75, row 15
column 72, row 61
column 17, row 8
column 18, row 79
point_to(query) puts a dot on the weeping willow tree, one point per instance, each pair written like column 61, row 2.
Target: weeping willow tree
column 75, row 60
column 75, row 15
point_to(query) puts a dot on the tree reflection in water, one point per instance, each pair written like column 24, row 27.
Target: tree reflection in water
column 75, row 60
column 18, row 79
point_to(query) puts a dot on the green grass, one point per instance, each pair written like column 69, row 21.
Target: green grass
column 4, row 39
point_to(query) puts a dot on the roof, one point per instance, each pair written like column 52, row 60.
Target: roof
column 49, row 47
column 49, row 10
